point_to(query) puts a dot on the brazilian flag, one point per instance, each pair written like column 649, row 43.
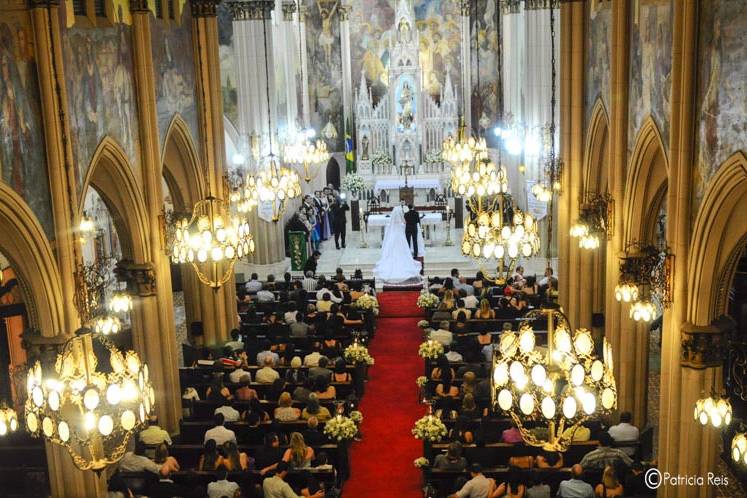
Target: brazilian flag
column 349, row 153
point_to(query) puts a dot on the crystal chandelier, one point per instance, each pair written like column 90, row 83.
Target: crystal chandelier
column 560, row 386
column 464, row 150
column 478, row 178
column 739, row 448
column 90, row 411
column 714, row 411
column 593, row 220
column 644, row 276
column 8, row 420
column 211, row 241
column 307, row 154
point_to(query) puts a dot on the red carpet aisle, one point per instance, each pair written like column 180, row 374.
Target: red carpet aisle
column 381, row 465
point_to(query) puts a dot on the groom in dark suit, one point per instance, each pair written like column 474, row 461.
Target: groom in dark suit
column 412, row 225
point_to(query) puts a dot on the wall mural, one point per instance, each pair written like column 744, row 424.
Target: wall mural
column 173, row 62
column 484, row 61
column 597, row 57
column 22, row 158
column 650, row 67
column 370, row 22
column 722, row 88
column 227, row 63
column 93, row 56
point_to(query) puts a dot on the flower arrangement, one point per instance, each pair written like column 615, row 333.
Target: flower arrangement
column 366, row 302
column 340, row 428
column 423, row 324
column 381, row 160
column 358, row 353
column 356, row 417
column 427, row 300
column 428, row 428
column 430, row 350
column 433, row 157
column 354, row 183
column 421, row 381
column 421, row 462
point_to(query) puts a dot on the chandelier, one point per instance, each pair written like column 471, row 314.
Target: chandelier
column 211, row 241
column 739, row 448
column 91, row 411
column 593, row 220
column 8, row 420
column 644, row 276
column 713, row 410
column 464, row 149
column 561, row 385
column 304, row 153
column 478, row 178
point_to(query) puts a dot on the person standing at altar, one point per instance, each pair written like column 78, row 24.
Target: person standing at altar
column 339, row 221
column 412, row 225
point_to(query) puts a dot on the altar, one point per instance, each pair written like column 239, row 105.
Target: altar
column 396, row 183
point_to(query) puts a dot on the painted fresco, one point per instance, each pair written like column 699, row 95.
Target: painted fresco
column 484, row 66
column 325, row 67
column 370, row 23
column 440, row 42
column 597, row 53
column 227, row 63
column 650, row 67
column 722, row 83
column 93, row 56
column 22, row 158
column 173, row 63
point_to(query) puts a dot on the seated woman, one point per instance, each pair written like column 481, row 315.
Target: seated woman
column 349, row 319
column 479, row 283
column 461, row 326
column 210, row 459
column 447, row 394
column 549, row 460
column 330, row 345
column 485, row 312
column 298, row 455
column 234, row 459
column 323, row 390
column 168, row 463
column 442, row 367
column 521, row 462
column 295, row 374
column 452, row 460
column 285, row 412
column 442, row 312
column 325, row 304
column 461, row 309
column 469, row 408
column 462, row 431
column 217, row 391
column 513, row 487
column 244, row 392
column 314, row 409
column 341, row 374
column 610, row 485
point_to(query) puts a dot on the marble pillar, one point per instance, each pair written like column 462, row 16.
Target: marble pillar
column 347, row 74
column 466, row 54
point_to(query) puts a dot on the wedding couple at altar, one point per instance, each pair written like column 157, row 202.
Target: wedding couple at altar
column 403, row 242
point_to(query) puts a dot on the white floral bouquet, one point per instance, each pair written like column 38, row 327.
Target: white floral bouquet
column 354, row 183
column 381, row 160
column 427, row 300
column 433, row 157
column 366, row 302
column 421, row 462
column 429, row 428
column 430, row 350
column 421, row 381
column 340, row 428
column 356, row 417
column 424, row 324
column 358, row 353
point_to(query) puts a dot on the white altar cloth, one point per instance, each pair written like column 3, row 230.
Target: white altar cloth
column 395, row 183
column 380, row 220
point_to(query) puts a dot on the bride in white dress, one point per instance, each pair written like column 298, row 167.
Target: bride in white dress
column 396, row 264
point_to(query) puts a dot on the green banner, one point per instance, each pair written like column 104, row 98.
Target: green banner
column 298, row 252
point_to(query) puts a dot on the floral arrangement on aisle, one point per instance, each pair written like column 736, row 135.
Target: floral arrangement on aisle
column 430, row 350
column 340, row 428
column 357, row 353
column 427, row 300
column 424, row 324
column 381, row 161
column 353, row 183
column 421, row 462
column 367, row 302
column 429, row 428
column 356, row 417
column 421, row 381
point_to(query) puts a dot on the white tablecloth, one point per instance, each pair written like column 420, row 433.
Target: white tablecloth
column 395, row 183
column 380, row 220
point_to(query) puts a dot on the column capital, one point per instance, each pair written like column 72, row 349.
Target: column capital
column 252, row 10
column 289, row 8
column 139, row 6
column 345, row 10
column 704, row 346
column 43, row 4
column 465, row 7
column 204, row 8
column 140, row 277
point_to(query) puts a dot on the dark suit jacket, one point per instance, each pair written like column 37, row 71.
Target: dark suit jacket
column 412, row 219
column 338, row 215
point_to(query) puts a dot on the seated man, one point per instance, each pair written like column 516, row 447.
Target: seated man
column 154, row 435
column 265, row 296
column 470, row 300
column 442, row 334
column 321, row 369
column 311, row 435
column 267, row 352
column 575, row 487
column 605, row 455
column 223, row 488
column 309, row 282
column 312, row 359
column 477, row 487
column 235, row 344
column 230, row 414
column 625, row 432
column 267, row 374
column 219, row 433
column 253, row 285
column 238, row 374
column 463, row 285
column 276, row 487
column 136, row 461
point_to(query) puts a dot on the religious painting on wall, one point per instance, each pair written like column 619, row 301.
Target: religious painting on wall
column 484, row 67
column 325, row 70
column 722, row 90
column 100, row 87
column 597, row 56
column 650, row 67
column 370, row 24
column 173, row 63
column 440, row 43
column 227, row 63
column 23, row 163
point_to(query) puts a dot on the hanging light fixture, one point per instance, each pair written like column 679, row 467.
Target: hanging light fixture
column 90, row 411
column 558, row 387
column 644, row 280
column 8, row 420
column 593, row 220
column 714, row 411
column 739, row 448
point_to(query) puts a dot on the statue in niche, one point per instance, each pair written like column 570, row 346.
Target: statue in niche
column 404, row 31
column 405, row 100
column 326, row 38
column 364, row 148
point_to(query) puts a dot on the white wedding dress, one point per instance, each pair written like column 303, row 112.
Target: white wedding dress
column 396, row 264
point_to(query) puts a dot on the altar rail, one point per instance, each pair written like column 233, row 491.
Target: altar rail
column 387, row 209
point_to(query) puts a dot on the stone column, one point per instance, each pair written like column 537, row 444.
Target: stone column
column 347, row 74
column 305, row 70
column 218, row 306
column 466, row 63
column 157, row 349
column 65, row 480
column 291, row 63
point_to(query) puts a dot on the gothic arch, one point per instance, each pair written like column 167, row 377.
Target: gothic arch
column 181, row 166
column 27, row 248
column 718, row 235
column 596, row 150
column 646, row 184
column 111, row 175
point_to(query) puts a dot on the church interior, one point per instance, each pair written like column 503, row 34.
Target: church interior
column 373, row 248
